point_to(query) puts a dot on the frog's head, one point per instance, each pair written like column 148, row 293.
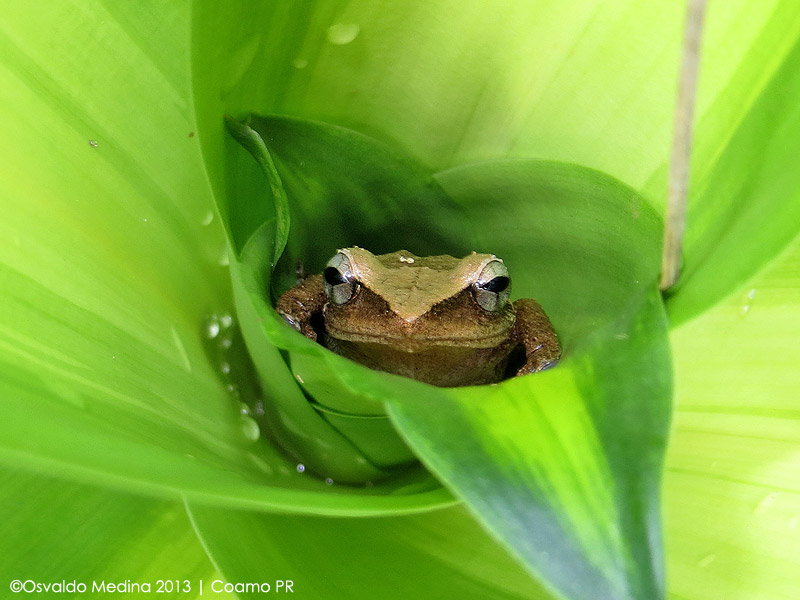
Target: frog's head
column 403, row 299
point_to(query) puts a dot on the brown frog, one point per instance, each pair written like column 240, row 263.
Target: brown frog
column 438, row 319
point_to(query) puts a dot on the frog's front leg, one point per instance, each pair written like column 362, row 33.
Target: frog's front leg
column 535, row 332
column 300, row 303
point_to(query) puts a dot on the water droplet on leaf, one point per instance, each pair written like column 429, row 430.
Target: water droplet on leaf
column 341, row 34
column 766, row 503
column 211, row 327
column 224, row 259
column 250, row 429
column 707, row 560
column 747, row 304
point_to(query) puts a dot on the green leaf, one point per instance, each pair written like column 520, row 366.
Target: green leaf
column 583, row 514
column 293, row 422
column 578, row 241
column 101, row 366
column 746, row 209
column 344, row 188
column 111, row 365
column 600, row 93
column 565, row 469
column 732, row 495
column 565, row 466
column 584, row 83
column 348, row 188
column 55, row 531
column 440, row 554
column 445, row 84
column 250, row 139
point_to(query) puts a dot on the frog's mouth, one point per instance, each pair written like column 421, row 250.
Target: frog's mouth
column 415, row 342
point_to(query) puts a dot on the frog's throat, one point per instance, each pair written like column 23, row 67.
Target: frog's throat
column 409, row 287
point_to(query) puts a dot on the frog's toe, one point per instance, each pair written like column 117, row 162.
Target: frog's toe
column 537, row 366
column 291, row 321
column 548, row 365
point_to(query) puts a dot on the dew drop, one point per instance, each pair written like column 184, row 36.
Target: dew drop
column 341, row 34
column 226, row 321
column 93, row 143
column 250, row 429
column 706, row 560
column 208, row 218
column 258, row 409
column 766, row 503
column 300, row 379
column 225, row 368
column 224, row 259
column 301, row 468
column 329, row 481
column 144, row 219
column 244, row 410
column 211, row 327
column 300, row 63
column 747, row 304
column 225, row 343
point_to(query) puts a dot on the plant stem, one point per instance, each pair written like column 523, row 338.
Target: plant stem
column 675, row 220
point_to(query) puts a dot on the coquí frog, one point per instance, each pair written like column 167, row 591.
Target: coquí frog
column 438, row 319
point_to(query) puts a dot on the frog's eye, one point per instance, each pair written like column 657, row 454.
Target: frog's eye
column 493, row 286
column 340, row 283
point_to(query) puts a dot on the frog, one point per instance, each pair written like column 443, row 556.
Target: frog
column 442, row 320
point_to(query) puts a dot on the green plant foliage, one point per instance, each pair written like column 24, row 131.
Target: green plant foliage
column 113, row 271
column 57, row 532
column 398, row 556
column 565, row 469
column 746, row 209
column 732, row 502
column 561, row 490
